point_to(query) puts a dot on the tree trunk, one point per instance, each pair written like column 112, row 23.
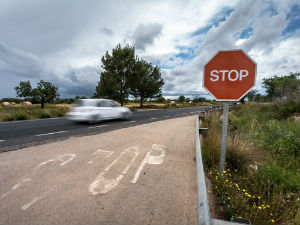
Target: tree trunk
column 141, row 102
column 43, row 103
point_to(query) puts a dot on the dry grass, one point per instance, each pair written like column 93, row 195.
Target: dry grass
column 19, row 112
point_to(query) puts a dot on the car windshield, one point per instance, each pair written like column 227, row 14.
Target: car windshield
column 81, row 102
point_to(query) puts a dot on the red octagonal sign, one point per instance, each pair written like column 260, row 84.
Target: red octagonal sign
column 229, row 75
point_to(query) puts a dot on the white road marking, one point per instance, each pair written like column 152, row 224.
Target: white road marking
column 100, row 152
column 151, row 159
column 133, row 121
column 153, row 118
column 64, row 162
column 1, row 140
column 64, row 159
column 58, row 132
column 167, row 116
column 29, row 204
column 104, row 185
column 98, row 126
column 15, row 187
column 191, row 112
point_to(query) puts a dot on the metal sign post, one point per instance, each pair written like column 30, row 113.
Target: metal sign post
column 224, row 136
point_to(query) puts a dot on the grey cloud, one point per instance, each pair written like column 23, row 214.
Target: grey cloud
column 107, row 31
column 145, row 34
column 79, row 81
column 45, row 27
column 19, row 63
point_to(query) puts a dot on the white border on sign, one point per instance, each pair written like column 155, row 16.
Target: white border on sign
column 229, row 100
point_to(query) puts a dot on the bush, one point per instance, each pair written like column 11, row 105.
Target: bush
column 20, row 116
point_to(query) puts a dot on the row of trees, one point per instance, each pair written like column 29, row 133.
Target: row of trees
column 45, row 92
column 278, row 88
column 125, row 74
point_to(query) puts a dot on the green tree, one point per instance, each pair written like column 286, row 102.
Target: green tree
column 251, row 95
column 160, row 99
column 24, row 89
column 145, row 81
column 118, row 66
column 181, row 99
column 282, row 87
column 45, row 92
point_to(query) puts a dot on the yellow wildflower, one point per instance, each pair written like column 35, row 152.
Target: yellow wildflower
column 259, row 197
column 249, row 196
column 228, row 198
column 244, row 190
column 259, row 207
column 272, row 221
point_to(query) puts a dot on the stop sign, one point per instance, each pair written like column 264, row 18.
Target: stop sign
column 229, row 75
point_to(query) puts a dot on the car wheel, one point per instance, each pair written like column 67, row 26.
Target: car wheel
column 126, row 116
column 94, row 119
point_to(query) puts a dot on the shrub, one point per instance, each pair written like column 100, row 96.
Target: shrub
column 20, row 116
column 44, row 115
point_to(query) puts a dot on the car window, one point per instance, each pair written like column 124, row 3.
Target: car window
column 81, row 102
column 113, row 103
column 104, row 104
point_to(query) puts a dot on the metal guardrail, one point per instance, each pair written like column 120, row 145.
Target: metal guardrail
column 202, row 205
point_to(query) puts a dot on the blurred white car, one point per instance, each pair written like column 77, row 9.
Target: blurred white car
column 96, row 110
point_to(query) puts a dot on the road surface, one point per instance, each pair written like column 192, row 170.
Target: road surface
column 144, row 174
column 20, row 134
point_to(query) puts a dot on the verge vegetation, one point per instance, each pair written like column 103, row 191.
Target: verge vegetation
column 261, row 178
column 32, row 112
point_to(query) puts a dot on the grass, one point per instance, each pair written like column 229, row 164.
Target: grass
column 32, row 112
column 261, row 180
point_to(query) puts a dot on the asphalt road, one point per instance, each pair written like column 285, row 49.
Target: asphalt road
column 19, row 134
column 144, row 174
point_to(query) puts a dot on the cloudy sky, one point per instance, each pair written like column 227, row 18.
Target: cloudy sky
column 62, row 41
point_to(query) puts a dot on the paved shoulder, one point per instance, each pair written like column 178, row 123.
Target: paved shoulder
column 139, row 175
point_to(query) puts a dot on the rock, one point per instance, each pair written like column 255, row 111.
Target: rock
column 5, row 104
column 12, row 103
